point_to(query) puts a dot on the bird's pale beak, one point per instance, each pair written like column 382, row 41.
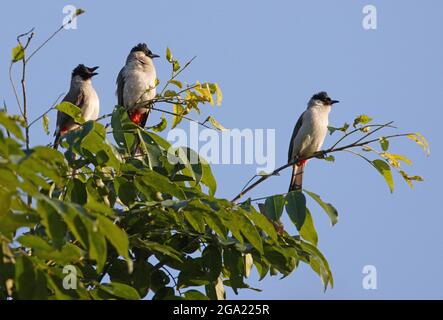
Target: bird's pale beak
column 334, row 102
column 153, row 55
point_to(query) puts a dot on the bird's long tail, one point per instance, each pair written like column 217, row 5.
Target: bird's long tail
column 58, row 134
column 56, row 141
column 139, row 119
column 297, row 176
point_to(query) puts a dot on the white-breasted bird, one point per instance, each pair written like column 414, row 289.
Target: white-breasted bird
column 309, row 135
column 83, row 95
column 136, row 83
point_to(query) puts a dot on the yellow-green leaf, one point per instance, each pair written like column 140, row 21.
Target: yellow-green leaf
column 178, row 114
column 168, row 55
column 385, row 171
column 18, row 53
column 362, row 119
column 215, row 123
column 384, row 143
column 421, row 141
column 45, row 121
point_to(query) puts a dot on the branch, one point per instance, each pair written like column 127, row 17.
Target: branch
column 357, row 143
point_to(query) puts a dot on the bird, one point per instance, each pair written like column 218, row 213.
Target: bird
column 136, row 83
column 83, row 95
column 308, row 135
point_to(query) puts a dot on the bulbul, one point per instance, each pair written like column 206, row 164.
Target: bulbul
column 309, row 135
column 83, row 95
column 136, row 83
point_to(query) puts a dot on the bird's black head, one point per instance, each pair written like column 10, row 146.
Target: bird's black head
column 323, row 97
column 142, row 47
column 84, row 72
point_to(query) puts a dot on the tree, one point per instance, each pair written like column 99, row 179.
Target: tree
column 98, row 222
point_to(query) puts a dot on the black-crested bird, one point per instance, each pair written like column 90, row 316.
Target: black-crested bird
column 136, row 83
column 309, row 135
column 83, row 95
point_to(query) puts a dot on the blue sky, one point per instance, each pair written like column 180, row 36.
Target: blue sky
column 269, row 58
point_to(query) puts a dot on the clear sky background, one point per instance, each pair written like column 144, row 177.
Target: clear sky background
column 269, row 58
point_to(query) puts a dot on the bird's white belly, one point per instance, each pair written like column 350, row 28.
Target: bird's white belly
column 139, row 87
column 91, row 107
column 312, row 134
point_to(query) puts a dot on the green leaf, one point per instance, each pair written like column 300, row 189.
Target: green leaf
column 177, row 83
column 175, row 65
column 215, row 123
column 160, row 183
column 212, row 262
column 296, row 208
column 117, row 237
column 385, row 171
column 178, row 114
column 42, row 249
column 71, row 110
column 196, row 220
column 168, row 54
column 11, row 126
column 308, row 231
column 195, row 295
column 233, row 261
column 53, row 222
column 161, row 125
column 76, row 192
column 319, row 264
column 30, row 283
column 330, row 158
column 362, row 119
column 45, row 123
column 344, row 128
column 208, row 178
column 191, row 160
column 18, row 53
column 327, row 207
column 79, row 12
column 120, row 290
column 263, row 223
column 249, row 231
column 274, row 207
column 384, row 143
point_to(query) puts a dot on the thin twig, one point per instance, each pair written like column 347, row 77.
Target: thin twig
column 359, row 129
column 14, row 89
column 51, row 37
column 47, row 111
column 175, row 75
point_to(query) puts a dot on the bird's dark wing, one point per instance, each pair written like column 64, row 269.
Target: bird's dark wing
column 120, row 87
column 294, row 134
